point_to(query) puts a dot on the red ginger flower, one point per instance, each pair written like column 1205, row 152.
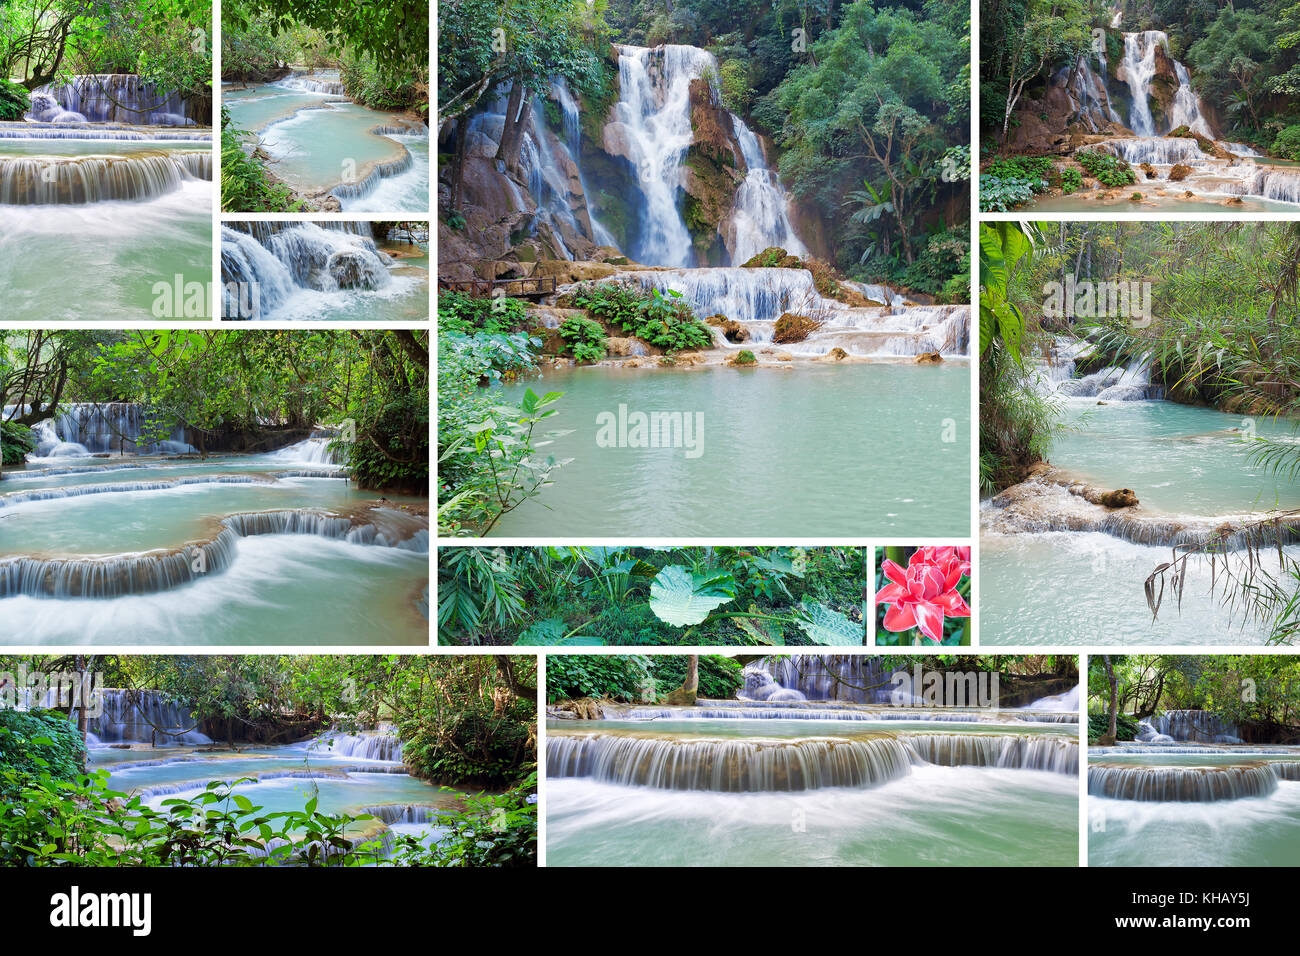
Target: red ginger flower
column 926, row 591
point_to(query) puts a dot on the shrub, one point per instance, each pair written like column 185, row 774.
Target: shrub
column 1071, row 180
column 1003, row 195
column 1036, row 170
column 14, row 101
column 665, row 321
column 585, row 339
column 617, row 677
column 461, row 312
column 246, row 185
column 1287, row 143
column 32, row 742
column 1126, row 728
column 1106, row 169
column 745, row 357
column 16, row 441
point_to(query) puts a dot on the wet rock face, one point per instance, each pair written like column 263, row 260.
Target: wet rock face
column 929, row 358
column 732, row 330
column 1179, row 172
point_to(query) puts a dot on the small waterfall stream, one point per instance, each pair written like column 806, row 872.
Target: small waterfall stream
column 1139, row 67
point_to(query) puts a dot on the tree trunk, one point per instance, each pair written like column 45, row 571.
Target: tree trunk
column 685, row 696
column 518, row 112
column 1113, row 728
column 458, row 163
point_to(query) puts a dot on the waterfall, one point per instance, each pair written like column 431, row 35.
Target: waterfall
column 761, row 218
column 1130, row 383
column 145, row 716
column 76, row 181
column 838, row 677
column 326, row 82
column 1067, row 702
column 573, row 143
column 1266, row 182
column 84, row 428
column 386, row 747
column 1200, row 726
column 276, row 261
column 757, row 298
column 151, row 572
column 654, row 112
column 1009, row 751
column 1182, row 784
column 310, row 451
column 765, row 765
column 1087, row 89
column 109, row 98
column 1139, row 68
column 653, row 116
column 727, row 765
column 1156, row 150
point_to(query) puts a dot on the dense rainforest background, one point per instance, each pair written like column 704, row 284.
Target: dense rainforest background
column 866, row 103
column 1243, row 55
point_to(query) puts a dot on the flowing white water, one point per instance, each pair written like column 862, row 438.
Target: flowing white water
column 1139, row 68
column 653, row 116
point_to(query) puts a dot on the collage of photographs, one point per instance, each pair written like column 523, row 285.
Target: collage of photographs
column 867, row 434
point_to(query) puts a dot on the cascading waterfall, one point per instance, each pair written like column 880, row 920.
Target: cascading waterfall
column 1200, row 726
column 653, row 116
column 766, row 765
column 1087, row 89
column 109, row 98
column 156, row 571
column 143, row 716
column 728, row 766
column 78, row 180
column 761, row 218
column 365, row 746
column 1183, row 784
column 573, row 143
column 1013, row 751
column 757, row 297
column 280, row 260
column 326, row 82
column 85, row 428
column 834, row 677
column 1139, row 69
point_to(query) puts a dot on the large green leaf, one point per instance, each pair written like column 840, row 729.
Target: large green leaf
column 681, row 598
column 825, row 626
column 551, row 633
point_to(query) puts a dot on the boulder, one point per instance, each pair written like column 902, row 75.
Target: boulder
column 352, row 270
column 1180, row 172
column 732, row 330
column 791, row 327
column 1120, row 498
column 929, row 358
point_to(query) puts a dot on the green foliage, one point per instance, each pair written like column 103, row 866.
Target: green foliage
column 665, row 321
column 585, row 339
column 14, row 101
column 1037, row 170
column 461, row 312
column 719, row 677
column 16, row 441
column 1126, row 727
column 494, row 830
column 38, row 742
column 1286, row 144
column 365, row 83
column 625, row 677
column 246, row 185
column 1106, row 169
column 628, row 596
column 745, row 357
column 1004, row 195
column 1071, row 180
